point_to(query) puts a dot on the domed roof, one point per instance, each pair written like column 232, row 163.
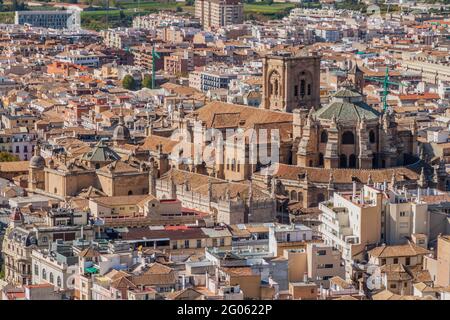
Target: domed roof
column 347, row 105
column 101, row 153
column 121, row 132
column 37, row 161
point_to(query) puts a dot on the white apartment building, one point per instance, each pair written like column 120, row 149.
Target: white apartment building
column 79, row 57
column 404, row 214
column 351, row 221
column 56, row 268
column 282, row 233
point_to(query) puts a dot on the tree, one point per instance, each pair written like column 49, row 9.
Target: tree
column 122, row 15
column 7, row 157
column 147, row 82
column 269, row 2
column 128, row 82
column 190, row 2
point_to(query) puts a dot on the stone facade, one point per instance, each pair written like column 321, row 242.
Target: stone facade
column 348, row 133
column 291, row 82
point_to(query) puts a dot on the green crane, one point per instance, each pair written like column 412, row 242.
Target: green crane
column 386, row 83
column 155, row 56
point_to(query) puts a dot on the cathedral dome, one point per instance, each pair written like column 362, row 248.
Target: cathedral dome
column 347, row 105
column 121, row 132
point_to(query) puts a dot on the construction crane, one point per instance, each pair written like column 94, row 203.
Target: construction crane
column 155, row 56
column 386, row 83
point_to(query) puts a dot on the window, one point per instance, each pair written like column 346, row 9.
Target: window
column 372, row 136
column 352, row 161
column 186, row 243
column 395, row 260
column 36, row 270
column 393, row 286
column 58, row 281
column 288, row 237
column 44, row 274
column 325, row 266
column 324, row 137
column 320, row 197
column 320, row 159
column 402, row 214
column 302, row 87
column 408, row 261
column 222, row 242
column 343, row 161
column 383, row 261
column 199, row 243
column 293, row 195
column 321, row 252
column 296, row 91
column 348, row 138
column 51, row 278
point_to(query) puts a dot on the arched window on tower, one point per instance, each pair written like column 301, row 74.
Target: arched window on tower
column 348, row 138
column 302, row 87
column 324, row 137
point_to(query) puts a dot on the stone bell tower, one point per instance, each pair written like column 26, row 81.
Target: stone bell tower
column 291, row 81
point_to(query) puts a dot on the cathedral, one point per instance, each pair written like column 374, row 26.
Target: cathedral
column 346, row 132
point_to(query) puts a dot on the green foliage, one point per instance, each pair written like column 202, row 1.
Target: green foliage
column 147, row 82
column 128, row 82
column 7, row 157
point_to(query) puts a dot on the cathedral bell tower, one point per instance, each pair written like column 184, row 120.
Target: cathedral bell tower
column 291, row 81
